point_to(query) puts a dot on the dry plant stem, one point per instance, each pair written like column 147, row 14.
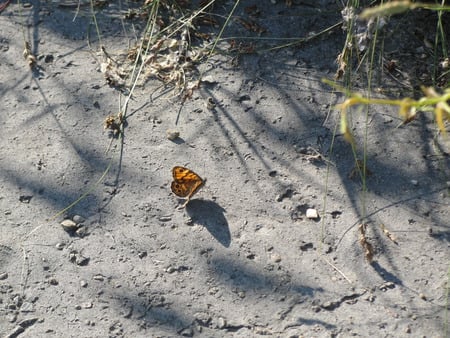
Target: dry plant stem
column 447, row 307
column 136, row 72
column 388, row 234
column 302, row 40
column 367, row 246
column 327, row 177
column 94, row 17
column 398, row 7
column 223, row 27
column 4, row 5
column 24, row 275
column 335, row 268
column 28, row 55
column 407, row 106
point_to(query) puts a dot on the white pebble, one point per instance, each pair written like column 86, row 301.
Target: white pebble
column 312, row 213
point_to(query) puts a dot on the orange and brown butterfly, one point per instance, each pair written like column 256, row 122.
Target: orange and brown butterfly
column 185, row 183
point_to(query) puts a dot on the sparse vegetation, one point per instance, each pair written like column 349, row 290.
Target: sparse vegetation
column 175, row 43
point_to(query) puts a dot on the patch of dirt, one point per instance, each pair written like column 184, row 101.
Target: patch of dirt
column 242, row 259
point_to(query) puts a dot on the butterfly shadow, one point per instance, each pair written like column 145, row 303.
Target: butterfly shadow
column 210, row 215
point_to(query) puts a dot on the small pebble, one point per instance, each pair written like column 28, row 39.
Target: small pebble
column 69, row 225
column 48, row 58
column 209, row 79
column 315, row 308
column 386, row 285
column 172, row 134
column 155, row 120
column 165, row 218
column 81, row 232
column 78, row 219
column 211, row 104
column 25, row 198
column 312, row 214
column 221, row 323
column 187, row 332
column 329, row 305
column 276, row 258
column 26, row 307
column 78, row 259
column 12, row 318
column 414, row 182
column 286, row 194
column 306, row 246
column 370, row 298
column 99, row 277
column 170, row 269
column 213, row 290
column 53, row 281
column 243, row 98
column 3, row 276
column 59, row 246
column 83, row 283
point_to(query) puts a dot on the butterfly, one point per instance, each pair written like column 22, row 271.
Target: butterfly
column 185, row 183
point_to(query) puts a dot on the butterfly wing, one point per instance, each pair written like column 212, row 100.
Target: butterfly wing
column 185, row 182
column 196, row 185
column 178, row 172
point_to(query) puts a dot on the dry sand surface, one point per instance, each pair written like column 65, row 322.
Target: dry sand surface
column 242, row 259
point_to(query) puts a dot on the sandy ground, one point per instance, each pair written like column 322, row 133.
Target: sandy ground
column 241, row 260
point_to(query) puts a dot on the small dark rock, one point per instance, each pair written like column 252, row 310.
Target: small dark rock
column 25, row 198
column 243, row 98
column 53, row 281
column 335, row 214
column 188, row 332
column 49, row 58
column 306, row 246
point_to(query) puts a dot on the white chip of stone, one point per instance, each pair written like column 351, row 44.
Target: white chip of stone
column 312, row 213
column 68, row 224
